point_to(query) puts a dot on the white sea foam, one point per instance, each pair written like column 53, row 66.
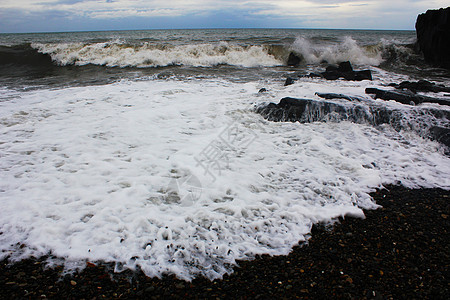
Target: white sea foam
column 119, row 54
column 119, row 173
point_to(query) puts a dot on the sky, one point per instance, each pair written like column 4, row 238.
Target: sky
column 90, row 15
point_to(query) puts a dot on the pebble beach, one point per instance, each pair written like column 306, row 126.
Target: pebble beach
column 399, row 251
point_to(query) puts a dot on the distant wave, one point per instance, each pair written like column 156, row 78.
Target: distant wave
column 22, row 54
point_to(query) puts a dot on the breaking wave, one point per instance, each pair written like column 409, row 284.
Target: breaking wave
column 117, row 54
column 152, row 55
column 348, row 50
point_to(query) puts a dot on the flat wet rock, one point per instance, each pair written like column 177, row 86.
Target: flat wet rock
column 421, row 86
column 343, row 70
column 426, row 121
column 405, row 97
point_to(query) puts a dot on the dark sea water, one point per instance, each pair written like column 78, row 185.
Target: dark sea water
column 144, row 148
column 83, row 58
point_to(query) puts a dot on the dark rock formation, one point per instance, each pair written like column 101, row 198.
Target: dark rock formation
column 428, row 122
column 345, row 67
column 433, row 36
column 293, row 60
column 345, row 70
column 405, row 97
column 421, row 86
column 309, row 110
column 360, row 75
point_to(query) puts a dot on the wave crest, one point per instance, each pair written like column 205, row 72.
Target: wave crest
column 393, row 52
column 118, row 54
column 348, row 50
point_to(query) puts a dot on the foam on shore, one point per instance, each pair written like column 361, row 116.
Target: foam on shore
column 120, row 173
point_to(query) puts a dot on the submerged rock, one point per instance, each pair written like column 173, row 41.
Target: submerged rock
column 433, row 36
column 440, row 134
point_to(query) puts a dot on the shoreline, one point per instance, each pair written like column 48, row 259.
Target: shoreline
column 398, row 251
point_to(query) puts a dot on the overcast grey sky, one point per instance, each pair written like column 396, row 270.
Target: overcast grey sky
column 80, row 15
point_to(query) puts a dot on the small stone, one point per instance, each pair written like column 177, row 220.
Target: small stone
column 73, row 282
column 21, row 274
column 289, row 81
column 179, row 286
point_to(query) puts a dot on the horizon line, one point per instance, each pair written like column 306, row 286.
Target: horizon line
column 206, row 28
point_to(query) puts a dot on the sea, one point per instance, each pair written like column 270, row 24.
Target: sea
column 144, row 149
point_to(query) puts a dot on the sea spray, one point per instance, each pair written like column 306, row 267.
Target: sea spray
column 348, row 50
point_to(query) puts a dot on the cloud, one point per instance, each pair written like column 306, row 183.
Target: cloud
column 376, row 14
